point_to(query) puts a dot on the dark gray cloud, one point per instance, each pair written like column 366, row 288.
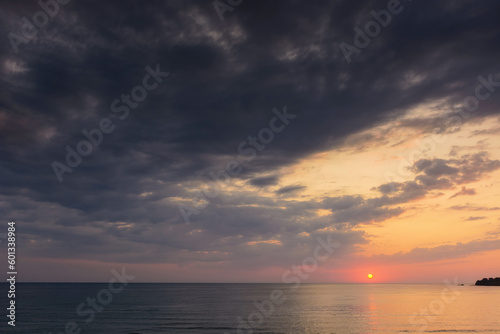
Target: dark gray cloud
column 289, row 189
column 438, row 174
column 467, row 169
column 120, row 204
column 264, row 181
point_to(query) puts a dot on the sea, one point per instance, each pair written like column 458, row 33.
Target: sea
column 150, row 308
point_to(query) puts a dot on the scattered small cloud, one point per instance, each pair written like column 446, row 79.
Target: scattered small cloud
column 470, row 207
column 289, row 189
column 464, row 192
column 264, row 181
column 475, row 218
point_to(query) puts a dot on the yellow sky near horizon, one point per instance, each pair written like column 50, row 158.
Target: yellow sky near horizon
column 426, row 222
column 463, row 213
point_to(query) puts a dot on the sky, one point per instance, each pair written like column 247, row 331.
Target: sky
column 214, row 141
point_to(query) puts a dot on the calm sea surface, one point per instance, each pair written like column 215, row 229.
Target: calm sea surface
column 254, row 308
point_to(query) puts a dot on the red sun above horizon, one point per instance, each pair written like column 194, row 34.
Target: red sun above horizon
column 370, row 276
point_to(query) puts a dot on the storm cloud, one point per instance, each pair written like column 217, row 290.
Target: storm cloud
column 121, row 203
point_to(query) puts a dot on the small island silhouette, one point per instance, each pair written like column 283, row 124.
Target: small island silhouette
column 489, row 281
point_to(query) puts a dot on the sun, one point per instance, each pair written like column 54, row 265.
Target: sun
column 370, row 276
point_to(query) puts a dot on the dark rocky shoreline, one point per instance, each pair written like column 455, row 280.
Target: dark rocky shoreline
column 489, row 281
